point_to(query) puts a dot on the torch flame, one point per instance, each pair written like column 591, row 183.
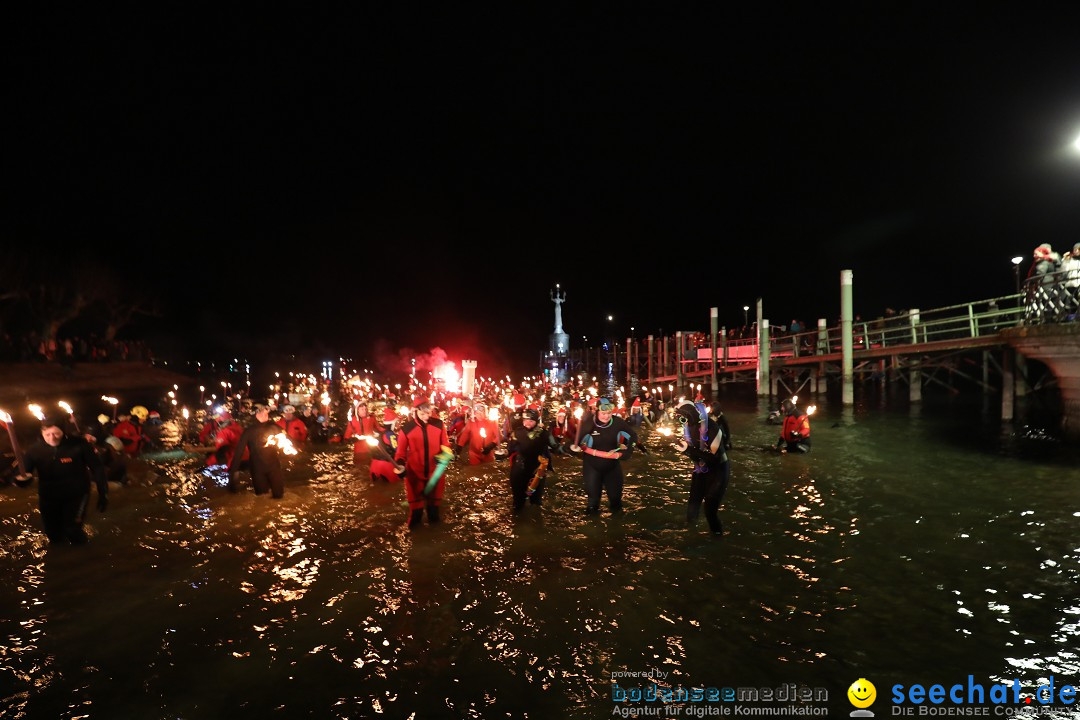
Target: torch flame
column 493, row 414
column 664, row 431
column 369, row 439
column 35, row 410
column 65, row 407
column 579, row 412
column 5, row 418
column 811, row 410
column 281, row 441
column 110, row 400
column 483, row 432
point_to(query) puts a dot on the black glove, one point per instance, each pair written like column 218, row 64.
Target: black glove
column 488, row 448
column 102, row 503
column 24, row 480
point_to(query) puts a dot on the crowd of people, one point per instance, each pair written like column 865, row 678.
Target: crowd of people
column 32, row 347
column 412, row 446
column 1052, row 289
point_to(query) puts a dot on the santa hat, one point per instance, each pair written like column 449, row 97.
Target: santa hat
column 636, row 403
column 518, row 401
column 699, row 398
column 389, row 417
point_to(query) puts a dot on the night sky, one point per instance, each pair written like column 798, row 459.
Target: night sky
column 359, row 181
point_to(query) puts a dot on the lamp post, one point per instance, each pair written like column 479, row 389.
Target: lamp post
column 1016, row 271
column 745, row 318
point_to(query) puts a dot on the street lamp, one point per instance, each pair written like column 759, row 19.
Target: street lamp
column 1016, row 271
column 745, row 318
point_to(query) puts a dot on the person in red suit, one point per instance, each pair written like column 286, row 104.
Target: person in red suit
column 385, row 470
column 129, row 433
column 293, row 426
column 361, row 424
column 228, row 435
column 421, row 439
column 480, row 436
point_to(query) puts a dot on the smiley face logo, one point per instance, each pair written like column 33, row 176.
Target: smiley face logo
column 862, row 693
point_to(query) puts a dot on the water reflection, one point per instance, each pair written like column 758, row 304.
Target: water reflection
column 884, row 542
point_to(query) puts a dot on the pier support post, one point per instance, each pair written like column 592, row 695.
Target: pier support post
column 915, row 383
column 652, row 375
column 714, row 314
column 763, row 386
column 822, row 337
column 629, row 361
column 1021, row 375
column 1008, row 386
column 845, row 337
column 678, row 361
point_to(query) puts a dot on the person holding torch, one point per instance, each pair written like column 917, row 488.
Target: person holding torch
column 263, row 444
column 795, row 434
column 423, row 447
column 65, row 466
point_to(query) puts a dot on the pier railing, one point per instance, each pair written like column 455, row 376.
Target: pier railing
column 1052, row 298
column 910, row 327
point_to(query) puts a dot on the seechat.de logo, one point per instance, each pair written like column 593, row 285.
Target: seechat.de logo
column 862, row 694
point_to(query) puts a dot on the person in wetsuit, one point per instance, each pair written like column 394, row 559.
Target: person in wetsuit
column 264, row 462
column 529, row 442
column 704, row 443
column 65, row 466
column 604, row 440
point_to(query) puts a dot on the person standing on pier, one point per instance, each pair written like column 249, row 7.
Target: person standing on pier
column 605, row 440
column 704, row 443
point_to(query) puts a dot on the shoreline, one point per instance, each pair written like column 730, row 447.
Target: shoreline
column 31, row 382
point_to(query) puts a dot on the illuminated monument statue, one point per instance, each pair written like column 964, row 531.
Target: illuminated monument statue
column 560, row 341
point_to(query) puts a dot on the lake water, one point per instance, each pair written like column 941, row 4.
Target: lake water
column 911, row 546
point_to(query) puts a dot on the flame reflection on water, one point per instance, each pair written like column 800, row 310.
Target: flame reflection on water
column 323, row 600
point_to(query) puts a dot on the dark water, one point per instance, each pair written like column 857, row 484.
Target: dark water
column 904, row 549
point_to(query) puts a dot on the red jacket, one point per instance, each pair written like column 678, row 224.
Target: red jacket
column 796, row 424
column 131, row 436
column 361, row 426
column 418, row 444
column 471, row 436
column 295, row 429
column 226, row 440
column 566, row 431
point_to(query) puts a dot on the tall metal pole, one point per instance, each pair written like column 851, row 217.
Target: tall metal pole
column 846, row 316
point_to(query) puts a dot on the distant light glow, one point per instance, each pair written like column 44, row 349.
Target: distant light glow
column 1017, row 260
